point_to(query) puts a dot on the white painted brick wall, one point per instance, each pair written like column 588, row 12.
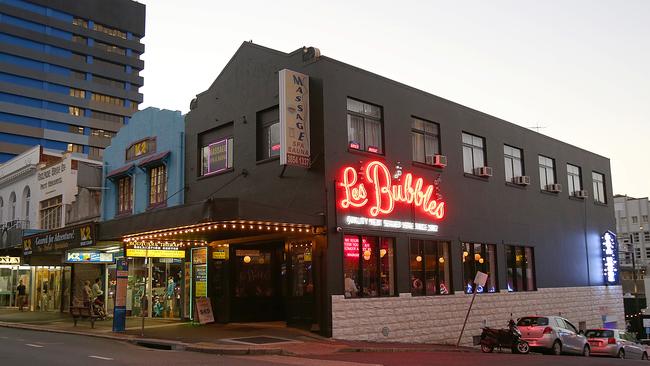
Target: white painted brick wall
column 439, row 319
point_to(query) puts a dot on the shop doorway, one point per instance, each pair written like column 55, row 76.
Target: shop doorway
column 10, row 277
column 154, row 287
column 50, row 285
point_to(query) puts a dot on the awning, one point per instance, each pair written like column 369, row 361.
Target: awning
column 153, row 159
column 120, row 171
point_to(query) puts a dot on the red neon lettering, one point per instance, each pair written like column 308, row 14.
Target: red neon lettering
column 384, row 194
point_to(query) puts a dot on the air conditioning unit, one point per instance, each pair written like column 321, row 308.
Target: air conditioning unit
column 524, row 180
column 439, row 161
column 581, row 194
column 555, row 188
column 484, row 171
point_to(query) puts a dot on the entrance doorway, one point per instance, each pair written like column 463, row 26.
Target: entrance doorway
column 51, row 288
column 154, row 287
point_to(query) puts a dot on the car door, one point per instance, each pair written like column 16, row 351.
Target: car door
column 568, row 336
column 577, row 339
column 632, row 350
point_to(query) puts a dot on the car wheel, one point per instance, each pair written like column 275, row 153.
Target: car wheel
column 586, row 351
column 556, row 349
column 644, row 356
column 522, row 347
column 621, row 353
column 486, row 348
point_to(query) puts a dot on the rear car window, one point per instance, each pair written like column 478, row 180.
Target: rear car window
column 532, row 321
column 595, row 333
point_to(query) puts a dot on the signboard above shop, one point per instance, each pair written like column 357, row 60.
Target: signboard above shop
column 154, row 250
column 88, row 257
column 9, row 260
column 609, row 246
column 294, row 119
column 60, row 240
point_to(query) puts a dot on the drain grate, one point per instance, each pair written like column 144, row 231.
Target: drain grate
column 160, row 346
column 260, row 340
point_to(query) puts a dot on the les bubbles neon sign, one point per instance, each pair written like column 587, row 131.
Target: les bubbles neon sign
column 375, row 189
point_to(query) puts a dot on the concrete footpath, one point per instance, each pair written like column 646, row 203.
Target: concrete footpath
column 271, row 338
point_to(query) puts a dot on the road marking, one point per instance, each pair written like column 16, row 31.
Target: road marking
column 102, row 358
column 34, row 345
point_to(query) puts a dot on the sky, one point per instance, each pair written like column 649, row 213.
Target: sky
column 578, row 69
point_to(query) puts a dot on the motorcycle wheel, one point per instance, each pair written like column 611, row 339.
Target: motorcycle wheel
column 523, row 347
column 486, row 348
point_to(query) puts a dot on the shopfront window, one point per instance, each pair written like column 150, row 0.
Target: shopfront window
column 521, row 268
column 430, row 273
column 479, row 257
column 166, row 275
column 10, row 278
column 255, row 274
column 368, row 266
column 301, row 269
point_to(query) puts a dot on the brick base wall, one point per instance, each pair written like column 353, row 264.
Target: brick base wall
column 439, row 319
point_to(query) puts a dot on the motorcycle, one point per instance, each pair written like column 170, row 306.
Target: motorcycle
column 502, row 338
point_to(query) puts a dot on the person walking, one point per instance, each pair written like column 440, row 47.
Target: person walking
column 97, row 289
column 86, row 292
column 20, row 299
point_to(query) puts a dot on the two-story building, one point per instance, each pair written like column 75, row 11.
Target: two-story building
column 330, row 197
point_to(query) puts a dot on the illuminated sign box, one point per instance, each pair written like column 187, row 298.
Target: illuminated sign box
column 155, row 250
column 609, row 246
column 89, row 257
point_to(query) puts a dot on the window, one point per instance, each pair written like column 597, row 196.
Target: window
column 644, row 218
column 599, row 187
column 12, row 206
column 473, row 153
column 479, row 257
column 108, row 30
column 107, row 66
column 102, row 133
column 76, row 129
column 513, row 162
column 521, row 268
column 79, row 39
column 635, row 219
column 27, row 197
column 75, row 148
column 157, row 185
column 268, row 133
column 2, row 210
column 217, row 156
column 51, row 213
column 108, row 82
column 77, row 93
column 365, row 127
column 575, row 179
column 430, row 273
column 103, row 98
column 77, row 57
column 96, row 152
column 75, row 111
column 637, row 253
column 646, row 236
column 425, row 138
column 110, row 48
column 635, row 237
column 141, row 148
column 134, row 106
column 78, row 75
column 107, row 117
column 124, row 195
column 80, row 22
column 546, row 172
column 368, row 266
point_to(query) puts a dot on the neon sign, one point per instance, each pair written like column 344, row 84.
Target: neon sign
column 374, row 187
column 609, row 245
column 390, row 224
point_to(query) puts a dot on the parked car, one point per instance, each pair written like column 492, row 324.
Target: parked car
column 615, row 343
column 553, row 334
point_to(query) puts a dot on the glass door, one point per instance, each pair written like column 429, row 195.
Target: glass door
column 300, row 300
column 166, row 276
column 136, row 299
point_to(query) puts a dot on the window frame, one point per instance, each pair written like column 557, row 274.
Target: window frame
column 425, row 134
column 157, row 199
column 46, row 209
column 571, row 182
column 151, row 148
column 597, row 193
column 366, row 119
column 360, row 262
column 472, row 255
column 513, row 159
column 473, row 147
column 123, row 194
column 512, row 259
column 440, row 246
column 546, row 168
column 230, row 157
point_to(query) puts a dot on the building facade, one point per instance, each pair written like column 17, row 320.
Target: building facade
column 379, row 232
column 633, row 231
column 69, row 73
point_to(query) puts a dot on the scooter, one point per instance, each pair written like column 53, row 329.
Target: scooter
column 503, row 338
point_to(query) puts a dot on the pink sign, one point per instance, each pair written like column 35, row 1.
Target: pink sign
column 351, row 246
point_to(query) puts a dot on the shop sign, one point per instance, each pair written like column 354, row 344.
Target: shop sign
column 377, row 193
column 9, row 260
column 154, row 250
column 351, row 247
column 63, row 239
column 247, row 252
column 220, row 254
column 199, row 256
column 390, row 224
column 89, row 257
column 609, row 246
column 201, row 280
column 218, row 153
column 204, row 310
column 294, row 119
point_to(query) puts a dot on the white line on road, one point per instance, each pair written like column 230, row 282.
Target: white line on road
column 34, row 345
column 102, row 358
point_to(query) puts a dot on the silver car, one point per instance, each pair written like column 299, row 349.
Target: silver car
column 553, row 334
column 615, row 343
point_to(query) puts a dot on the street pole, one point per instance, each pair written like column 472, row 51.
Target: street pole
column 467, row 316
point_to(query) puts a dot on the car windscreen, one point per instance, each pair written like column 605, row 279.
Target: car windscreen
column 532, row 321
column 599, row 333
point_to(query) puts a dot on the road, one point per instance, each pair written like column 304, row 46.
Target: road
column 26, row 347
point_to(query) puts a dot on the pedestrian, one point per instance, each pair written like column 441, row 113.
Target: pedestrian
column 97, row 289
column 87, row 293
column 20, row 299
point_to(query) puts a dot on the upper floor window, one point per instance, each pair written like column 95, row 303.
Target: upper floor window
column 473, row 153
column 77, row 93
column 75, row 148
column 365, row 127
column 107, row 117
column 108, row 82
column 268, row 133
column 75, row 111
column 124, row 195
column 546, row 172
column 50, row 213
column 599, row 187
column 141, row 148
column 108, row 30
column 103, row 98
column 217, row 156
column 157, row 185
column 102, row 133
column 425, row 138
column 575, row 179
column 80, row 22
column 96, row 152
column 512, row 157
column 430, row 272
column 644, row 218
column 110, row 48
column 78, row 75
column 76, row 129
column 521, row 268
column 635, row 219
column 479, row 257
column 79, row 39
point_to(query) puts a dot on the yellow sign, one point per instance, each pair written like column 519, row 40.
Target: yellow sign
column 155, row 253
column 220, row 254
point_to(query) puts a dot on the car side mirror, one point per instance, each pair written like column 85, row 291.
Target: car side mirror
column 581, row 332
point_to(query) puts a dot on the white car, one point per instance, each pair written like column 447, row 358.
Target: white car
column 553, row 334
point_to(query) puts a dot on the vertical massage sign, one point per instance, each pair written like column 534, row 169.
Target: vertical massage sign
column 294, row 119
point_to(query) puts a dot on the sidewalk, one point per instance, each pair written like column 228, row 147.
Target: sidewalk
column 270, row 338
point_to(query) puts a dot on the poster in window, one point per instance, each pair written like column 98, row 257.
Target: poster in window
column 218, row 156
column 294, row 119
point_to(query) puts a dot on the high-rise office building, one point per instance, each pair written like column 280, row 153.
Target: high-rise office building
column 69, row 73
